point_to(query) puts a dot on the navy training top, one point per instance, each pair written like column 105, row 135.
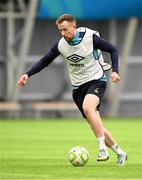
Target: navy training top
column 98, row 43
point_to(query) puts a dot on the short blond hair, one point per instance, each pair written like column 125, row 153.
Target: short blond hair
column 65, row 17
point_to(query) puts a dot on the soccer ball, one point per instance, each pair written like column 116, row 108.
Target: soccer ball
column 78, row 156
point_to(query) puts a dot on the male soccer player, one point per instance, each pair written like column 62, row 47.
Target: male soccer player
column 81, row 49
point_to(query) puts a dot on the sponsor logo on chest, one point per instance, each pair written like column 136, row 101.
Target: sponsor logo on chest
column 75, row 59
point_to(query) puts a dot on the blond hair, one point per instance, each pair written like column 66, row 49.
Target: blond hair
column 65, row 17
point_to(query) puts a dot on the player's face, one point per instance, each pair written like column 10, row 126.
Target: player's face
column 67, row 30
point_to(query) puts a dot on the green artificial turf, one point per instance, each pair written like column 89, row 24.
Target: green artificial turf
column 38, row 149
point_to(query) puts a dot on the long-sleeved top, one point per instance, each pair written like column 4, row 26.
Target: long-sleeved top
column 98, row 43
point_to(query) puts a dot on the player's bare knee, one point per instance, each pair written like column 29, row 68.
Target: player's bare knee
column 87, row 110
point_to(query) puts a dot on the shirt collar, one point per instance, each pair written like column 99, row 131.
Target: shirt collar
column 75, row 39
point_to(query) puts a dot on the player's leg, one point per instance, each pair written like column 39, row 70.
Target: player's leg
column 90, row 104
column 112, row 144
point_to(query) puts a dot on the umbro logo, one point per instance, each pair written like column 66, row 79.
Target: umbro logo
column 75, row 58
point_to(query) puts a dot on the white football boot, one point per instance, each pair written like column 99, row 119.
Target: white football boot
column 122, row 158
column 103, row 155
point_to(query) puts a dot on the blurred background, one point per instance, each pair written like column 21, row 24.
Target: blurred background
column 28, row 30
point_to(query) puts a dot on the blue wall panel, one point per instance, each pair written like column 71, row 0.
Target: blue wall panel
column 90, row 9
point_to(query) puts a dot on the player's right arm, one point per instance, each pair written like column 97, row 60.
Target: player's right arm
column 40, row 65
column 104, row 45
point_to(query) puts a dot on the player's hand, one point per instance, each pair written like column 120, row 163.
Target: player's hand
column 22, row 80
column 115, row 77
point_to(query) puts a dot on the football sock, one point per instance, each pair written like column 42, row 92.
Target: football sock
column 101, row 142
column 117, row 149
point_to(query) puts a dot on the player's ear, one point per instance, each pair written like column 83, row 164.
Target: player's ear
column 74, row 25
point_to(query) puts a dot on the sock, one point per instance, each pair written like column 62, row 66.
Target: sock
column 101, row 142
column 117, row 149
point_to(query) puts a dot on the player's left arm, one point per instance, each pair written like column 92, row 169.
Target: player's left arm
column 100, row 43
column 39, row 65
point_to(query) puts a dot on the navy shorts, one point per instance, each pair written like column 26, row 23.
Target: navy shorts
column 95, row 87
